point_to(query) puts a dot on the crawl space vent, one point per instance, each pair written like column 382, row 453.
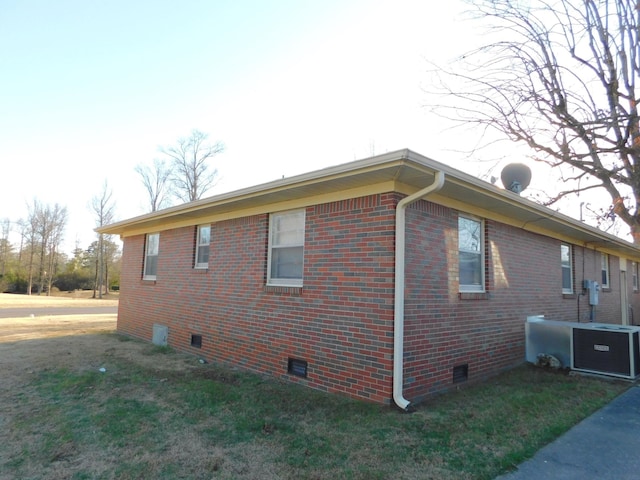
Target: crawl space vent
column 297, row 367
column 196, row 341
column 160, row 334
column 461, row 373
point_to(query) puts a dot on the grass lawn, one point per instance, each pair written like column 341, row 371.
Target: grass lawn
column 167, row 416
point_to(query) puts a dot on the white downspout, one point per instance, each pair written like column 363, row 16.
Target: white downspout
column 398, row 312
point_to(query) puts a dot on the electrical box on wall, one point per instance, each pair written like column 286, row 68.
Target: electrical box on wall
column 593, row 293
column 593, row 288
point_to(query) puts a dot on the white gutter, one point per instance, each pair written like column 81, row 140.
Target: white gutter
column 398, row 312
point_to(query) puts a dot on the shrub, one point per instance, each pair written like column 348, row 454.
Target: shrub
column 13, row 283
column 70, row 281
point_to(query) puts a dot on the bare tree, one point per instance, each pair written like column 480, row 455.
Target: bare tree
column 30, row 235
column 559, row 77
column 156, row 182
column 42, row 233
column 111, row 261
column 104, row 210
column 191, row 174
column 27, row 247
column 5, row 245
column 56, row 223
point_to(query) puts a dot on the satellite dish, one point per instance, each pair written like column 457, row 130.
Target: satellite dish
column 516, row 177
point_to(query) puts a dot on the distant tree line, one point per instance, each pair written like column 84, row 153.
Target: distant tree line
column 82, row 271
column 33, row 262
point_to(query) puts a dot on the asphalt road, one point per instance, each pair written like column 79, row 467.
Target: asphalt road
column 19, row 312
column 604, row 446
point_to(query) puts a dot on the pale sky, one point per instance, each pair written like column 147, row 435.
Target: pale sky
column 89, row 89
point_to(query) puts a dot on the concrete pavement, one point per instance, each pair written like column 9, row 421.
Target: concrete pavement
column 604, row 446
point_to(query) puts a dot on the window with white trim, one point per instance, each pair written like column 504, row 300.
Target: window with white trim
column 286, row 248
column 151, row 256
column 202, row 246
column 471, row 254
column 604, row 260
column 567, row 268
column 634, row 275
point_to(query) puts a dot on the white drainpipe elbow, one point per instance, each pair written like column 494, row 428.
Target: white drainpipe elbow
column 398, row 312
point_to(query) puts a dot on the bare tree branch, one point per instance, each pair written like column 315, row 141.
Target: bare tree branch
column 42, row 232
column 560, row 78
column 103, row 207
column 192, row 176
column 156, row 182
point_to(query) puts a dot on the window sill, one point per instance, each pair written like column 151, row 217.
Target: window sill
column 569, row 296
column 474, row 295
column 283, row 290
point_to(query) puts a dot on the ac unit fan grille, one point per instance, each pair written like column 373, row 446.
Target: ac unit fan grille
column 603, row 351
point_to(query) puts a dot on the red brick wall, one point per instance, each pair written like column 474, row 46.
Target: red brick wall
column 341, row 320
column 445, row 329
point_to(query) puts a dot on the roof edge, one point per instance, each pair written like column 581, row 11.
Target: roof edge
column 404, row 158
column 283, row 183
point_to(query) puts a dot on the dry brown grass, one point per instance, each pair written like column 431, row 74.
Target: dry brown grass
column 79, row 298
column 155, row 414
column 34, row 348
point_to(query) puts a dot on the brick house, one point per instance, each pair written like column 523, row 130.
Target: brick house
column 385, row 279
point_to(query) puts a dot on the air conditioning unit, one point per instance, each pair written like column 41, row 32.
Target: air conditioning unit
column 550, row 337
column 606, row 349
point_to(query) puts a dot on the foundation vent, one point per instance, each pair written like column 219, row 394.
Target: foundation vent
column 297, row 367
column 461, row 373
column 160, row 335
column 196, row 341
